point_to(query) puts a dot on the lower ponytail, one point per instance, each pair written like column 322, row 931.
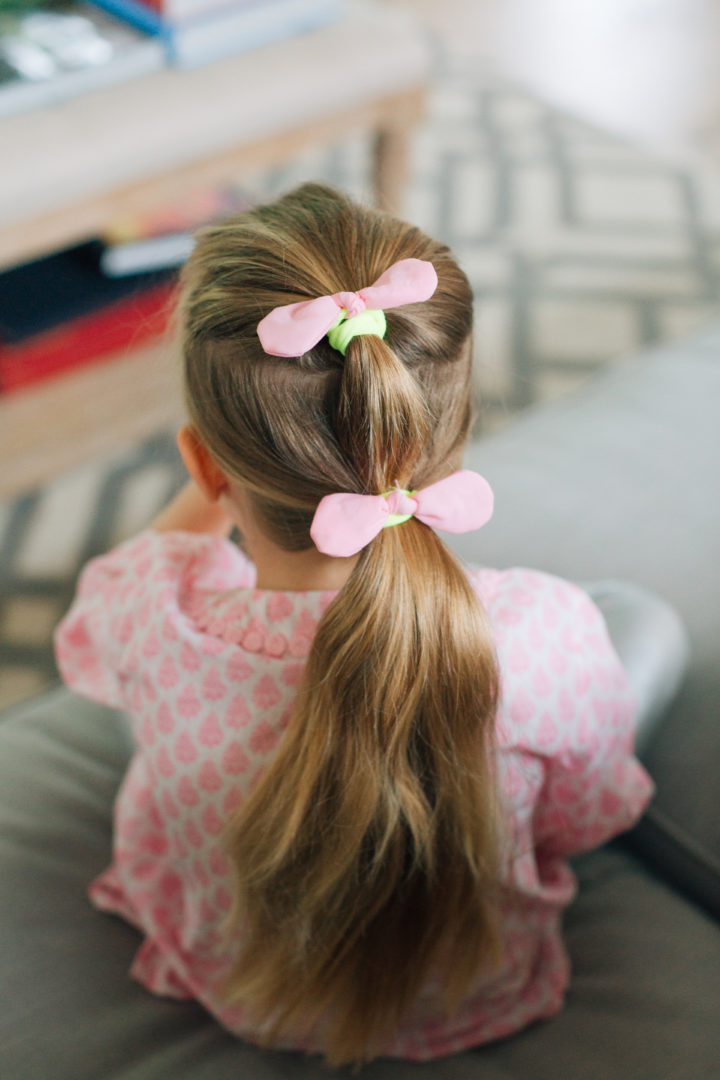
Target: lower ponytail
column 366, row 859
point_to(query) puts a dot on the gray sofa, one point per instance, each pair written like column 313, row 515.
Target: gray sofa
column 616, row 481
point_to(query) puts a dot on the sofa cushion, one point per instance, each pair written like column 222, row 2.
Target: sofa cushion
column 619, row 479
column 642, row 1001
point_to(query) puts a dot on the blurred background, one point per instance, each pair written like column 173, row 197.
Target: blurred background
column 645, row 69
column 568, row 151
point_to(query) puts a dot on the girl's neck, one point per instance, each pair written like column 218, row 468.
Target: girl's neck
column 279, row 570
column 297, row 571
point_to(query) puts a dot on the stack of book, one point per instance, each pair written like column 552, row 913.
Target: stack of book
column 198, row 31
column 48, row 55
column 55, row 52
column 101, row 299
column 61, row 312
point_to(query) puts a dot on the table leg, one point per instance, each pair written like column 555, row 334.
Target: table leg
column 391, row 161
column 391, row 166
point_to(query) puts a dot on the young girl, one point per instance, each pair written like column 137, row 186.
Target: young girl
column 360, row 767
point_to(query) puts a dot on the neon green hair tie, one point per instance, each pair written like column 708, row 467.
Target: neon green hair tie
column 367, row 322
column 397, row 519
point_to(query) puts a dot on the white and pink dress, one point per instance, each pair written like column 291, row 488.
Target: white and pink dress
column 170, row 628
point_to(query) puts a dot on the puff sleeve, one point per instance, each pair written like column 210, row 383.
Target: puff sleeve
column 568, row 709
column 128, row 598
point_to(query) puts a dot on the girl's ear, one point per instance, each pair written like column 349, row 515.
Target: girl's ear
column 207, row 475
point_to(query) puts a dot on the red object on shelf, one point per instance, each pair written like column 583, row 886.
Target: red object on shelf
column 124, row 325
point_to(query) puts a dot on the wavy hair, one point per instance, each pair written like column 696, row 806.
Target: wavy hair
column 366, row 858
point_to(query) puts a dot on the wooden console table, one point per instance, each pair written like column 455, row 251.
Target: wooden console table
column 71, row 169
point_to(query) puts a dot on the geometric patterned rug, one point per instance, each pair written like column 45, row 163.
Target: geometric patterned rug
column 580, row 248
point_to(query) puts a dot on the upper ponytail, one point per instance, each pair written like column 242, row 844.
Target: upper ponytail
column 366, row 858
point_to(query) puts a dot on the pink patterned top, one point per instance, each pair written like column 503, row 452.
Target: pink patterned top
column 169, row 627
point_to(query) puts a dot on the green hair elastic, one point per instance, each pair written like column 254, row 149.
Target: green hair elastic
column 345, row 329
column 396, row 519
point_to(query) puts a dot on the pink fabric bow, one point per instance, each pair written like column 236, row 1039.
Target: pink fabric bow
column 345, row 523
column 293, row 329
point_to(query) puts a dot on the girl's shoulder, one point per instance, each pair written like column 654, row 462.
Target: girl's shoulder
column 134, row 602
column 161, row 588
column 520, row 596
column 563, row 688
column 194, row 560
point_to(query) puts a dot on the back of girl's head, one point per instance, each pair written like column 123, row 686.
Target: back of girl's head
column 293, row 430
column 366, row 857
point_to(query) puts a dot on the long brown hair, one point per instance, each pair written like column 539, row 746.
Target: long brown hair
column 366, row 857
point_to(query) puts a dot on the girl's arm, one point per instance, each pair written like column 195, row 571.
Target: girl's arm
column 190, row 511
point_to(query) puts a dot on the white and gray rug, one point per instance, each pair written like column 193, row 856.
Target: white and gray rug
column 581, row 249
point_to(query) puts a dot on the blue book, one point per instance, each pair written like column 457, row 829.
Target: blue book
column 229, row 29
column 135, row 12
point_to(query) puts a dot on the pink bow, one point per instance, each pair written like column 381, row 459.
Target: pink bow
column 293, row 329
column 345, row 523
